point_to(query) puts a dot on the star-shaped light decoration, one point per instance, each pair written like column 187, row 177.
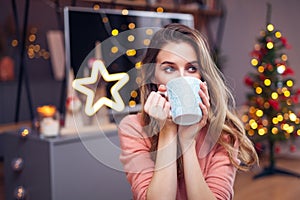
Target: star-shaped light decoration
column 117, row 104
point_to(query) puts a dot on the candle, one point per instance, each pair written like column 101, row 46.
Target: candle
column 49, row 121
column 49, row 127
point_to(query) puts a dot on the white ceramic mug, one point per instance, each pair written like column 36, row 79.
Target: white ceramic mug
column 183, row 95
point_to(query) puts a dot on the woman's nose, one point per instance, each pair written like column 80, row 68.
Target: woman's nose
column 182, row 73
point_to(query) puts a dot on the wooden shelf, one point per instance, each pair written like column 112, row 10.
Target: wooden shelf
column 168, row 7
column 202, row 16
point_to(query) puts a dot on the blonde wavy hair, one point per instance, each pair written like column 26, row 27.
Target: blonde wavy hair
column 222, row 119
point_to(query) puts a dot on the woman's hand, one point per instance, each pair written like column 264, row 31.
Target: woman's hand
column 188, row 133
column 158, row 107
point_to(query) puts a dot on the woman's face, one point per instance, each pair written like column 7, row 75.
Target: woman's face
column 176, row 60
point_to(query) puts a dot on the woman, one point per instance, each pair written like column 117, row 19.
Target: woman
column 163, row 160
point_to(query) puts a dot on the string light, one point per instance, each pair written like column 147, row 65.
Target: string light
column 138, row 65
column 280, row 117
column 287, row 93
column 275, row 120
column 114, row 49
column 258, row 90
column 96, row 7
column 253, row 124
column 133, row 94
column 138, row 80
column 270, row 27
column 254, row 62
column 274, row 130
column 293, row 117
column 270, row 45
column 125, row 12
column 149, row 31
column 274, row 95
column 266, row 105
column 20, row 193
column 245, row 118
column 267, row 82
column 261, row 131
column 159, row 9
column 24, row 132
column 262, row 33
column 261, row 69
column 289, row 83
column 130, row 38
column 132, row 103
column 115, row 32
column 146, row 42
column 281, row 69
column 251, row 132
column 259, row 113
column 252, row 110
column 105, row 20
column 284, row 57
column 131, row 52
column 131, row 26
column 278, row 34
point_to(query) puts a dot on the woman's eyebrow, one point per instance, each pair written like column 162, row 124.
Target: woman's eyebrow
column 194, row 62
column 167, row 62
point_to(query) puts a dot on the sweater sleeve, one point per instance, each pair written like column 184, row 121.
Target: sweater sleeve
column 220, row 173
column 135, row 156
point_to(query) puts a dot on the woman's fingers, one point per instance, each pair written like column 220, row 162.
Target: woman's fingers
column 156, row 106
column 204, row 94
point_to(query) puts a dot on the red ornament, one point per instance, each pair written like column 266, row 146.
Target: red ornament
column 248, row 81
column 295, row 99
column 288, row 71
column 274, row 104
column 262, row 77
column 292, row 148
column 256, row 54
column 277, row 149
column 259, row 146
column 285, row 43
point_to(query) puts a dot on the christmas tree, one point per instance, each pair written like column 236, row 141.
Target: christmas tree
column 272, row 99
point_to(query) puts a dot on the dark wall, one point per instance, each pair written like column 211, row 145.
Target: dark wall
column 44, row 89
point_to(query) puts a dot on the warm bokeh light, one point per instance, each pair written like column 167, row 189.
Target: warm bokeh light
column 149, row 31
column 125, row 12
column 146, row 42
column 131, row 52
column 267, row 82
column 254, row 62
column 133, row 94
column 274, row 95
column 114, row 49
column 270, row 45
column 132, row 103
column 259, row 113
column 284, row 57
column 281, row 69
column 138, row 65
column 270, row 27
column 261, row 69
column 115, row 32
column 278, row 34
column 130, row 38
column 131, row 26
column 258, row 90
column 160, row 9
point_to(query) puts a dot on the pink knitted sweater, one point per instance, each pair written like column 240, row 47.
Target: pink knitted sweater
column 216, row 167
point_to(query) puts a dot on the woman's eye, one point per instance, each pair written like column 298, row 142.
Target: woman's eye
column 169, row 69
column 192, row 69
